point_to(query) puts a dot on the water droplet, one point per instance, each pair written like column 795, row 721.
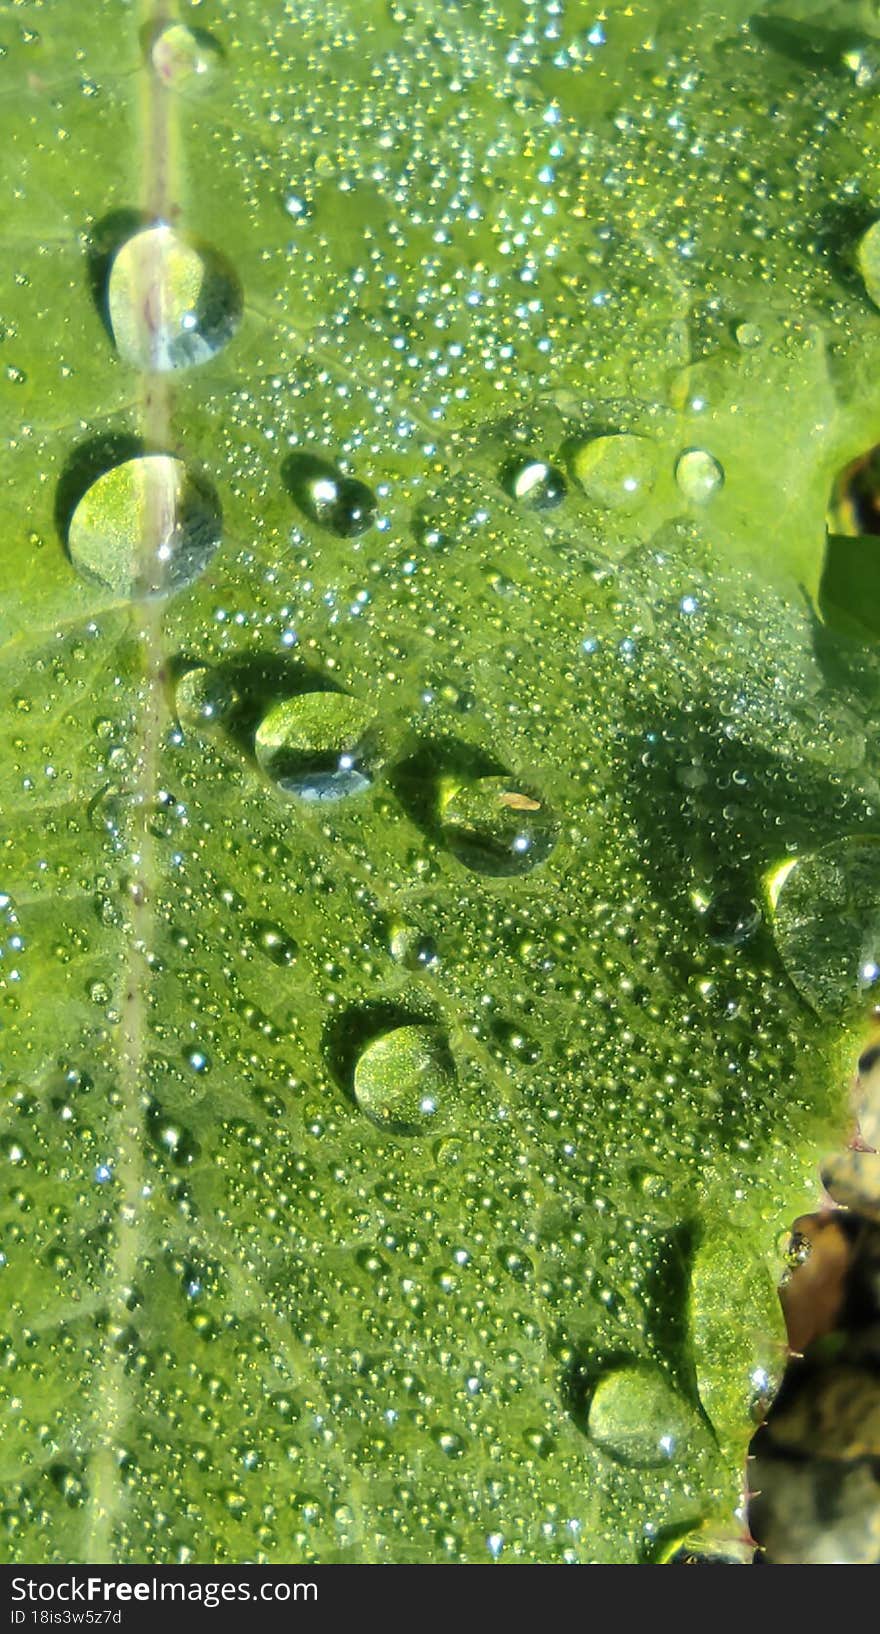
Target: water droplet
column 296, row 206
column 827, row 923
column 534, row 483
column 638, row 1418
column 854, row 506
column 496, row 826
column 868, row 261
column 412, row 948
column 617, row 471
column 318, row 745
column 450, row 1442
column 202, row 696
column 731, row 918
column 403, row 1078
column 275, row 943
column 171, row 304
column 184, row 58
column 329, row 497
column 145, row 528
column 171, row 1138
column 198, row 1060
column 70, row 1485
column 698, row 475
column 749, row 335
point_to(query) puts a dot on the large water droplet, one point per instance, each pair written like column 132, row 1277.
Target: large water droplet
column 184, row 58
column 868, row 261
column 171, row 304
column 318, row 745
column 403, row 1078
column 172, row 1139
column 535, row 484
column 496, row 826
column 204, row 696
column 827, row 923
column 854, row 506
column 638, row 1418
column 145, row 528
column 698, row 474
column 617, row 471
column 849, row 592
column 340, row 503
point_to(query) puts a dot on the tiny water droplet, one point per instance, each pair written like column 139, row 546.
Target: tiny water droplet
column 404, row 1078
column 147, row 527
column 495, row 826
column 617, row 471
column 534, row 483
column 171, row 304
column 318, row 745
column 698, row 475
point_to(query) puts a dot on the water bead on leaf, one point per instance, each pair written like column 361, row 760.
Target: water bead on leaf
column 854, row 506
column 617, row 471
column 203, row 696
column 731, row 918
column 534, row 483
column 318, row 745
column 826, row 923
column 147, row 527
column 184, row 59
column 171, row 1138
column 698, row 475
column 849, row 593
column 403, row 1079
column 412, row 948
column 495, row 826
column 273, row 941
column 344, row 505
column 171, row 304
column 638, row 1419
column 868, row 261
column 340, row 503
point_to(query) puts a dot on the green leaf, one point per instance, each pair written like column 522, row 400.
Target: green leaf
column 262, row 1301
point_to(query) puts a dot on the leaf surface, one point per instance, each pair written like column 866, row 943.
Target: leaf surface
column 246, row 1317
